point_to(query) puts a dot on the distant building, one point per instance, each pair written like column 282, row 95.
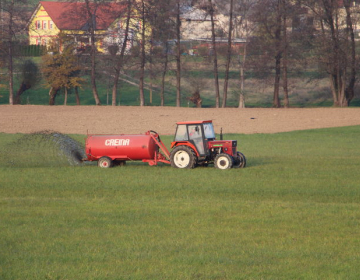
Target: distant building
column 196, row 23
column 51, row 18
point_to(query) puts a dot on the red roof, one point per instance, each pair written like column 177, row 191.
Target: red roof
column 74, row 16
column 194, row 122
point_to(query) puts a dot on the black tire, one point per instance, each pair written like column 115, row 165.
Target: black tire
column 223, row 161
column 183, row 157
column 240, row 161
column 105, row 162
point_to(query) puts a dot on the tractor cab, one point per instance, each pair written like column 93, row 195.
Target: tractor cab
column 196, row 134
column 195, row 144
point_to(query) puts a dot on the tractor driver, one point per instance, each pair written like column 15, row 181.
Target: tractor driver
column 196, row 135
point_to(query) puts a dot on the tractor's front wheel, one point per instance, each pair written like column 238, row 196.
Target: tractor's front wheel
column 105, row 162
column 183, row 157
column 223, row 161
column 240, row 161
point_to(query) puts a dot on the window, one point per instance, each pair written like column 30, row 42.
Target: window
column 44, row 24
column 195, row 134
column 38, row 24
column 51, row 24
column 209, row 131
column 181, row 133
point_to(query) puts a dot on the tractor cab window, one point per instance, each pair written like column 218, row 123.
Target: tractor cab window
column 209, row 131
column 195, row 134
column 181, row 133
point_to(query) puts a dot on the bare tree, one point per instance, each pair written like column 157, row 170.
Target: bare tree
column 228, row 55
column 91, row 23
column 120, row 60
column 142, row 9
column 11, row 51
column 163, row 74
column 162, row 30
column 178, row 53
column 336, row 46
column 211, row 11
column 350, row 34
column 244, row 31
column 270, row 17
column 12, row 22
column 285, row 52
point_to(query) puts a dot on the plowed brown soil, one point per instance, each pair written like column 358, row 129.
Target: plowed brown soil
column 133, row 120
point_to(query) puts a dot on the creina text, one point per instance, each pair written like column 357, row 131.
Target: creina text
column 117, row 142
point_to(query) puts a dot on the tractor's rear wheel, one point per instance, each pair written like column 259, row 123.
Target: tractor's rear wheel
column 240, row 161
column 105, row 162
column 223, row 161
column 183, row 157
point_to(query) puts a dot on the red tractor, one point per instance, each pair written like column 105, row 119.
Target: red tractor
column 194, row 144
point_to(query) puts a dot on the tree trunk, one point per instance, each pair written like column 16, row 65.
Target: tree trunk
column 23, row 87
column 151, row 75
column 228, row 57
column 52, row 93
column 216, row 68
column 276, row 99
column 92, row 27
column 242, row 79
column 120, row 61
column 343, row 101
column 77, row 96
column 162, row 93
column 285, row 59
column 336, row 79
column 178, row 56
column 349, row 91
column 10, row 45
column 65, row 96
column 142, row 55
column 333, row 86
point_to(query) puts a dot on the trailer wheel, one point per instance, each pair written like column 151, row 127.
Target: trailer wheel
column 240, row 161
column 105, row 162
column 223, row 161
column 183, row 157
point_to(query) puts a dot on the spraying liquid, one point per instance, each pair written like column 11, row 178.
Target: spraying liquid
column 43, row 149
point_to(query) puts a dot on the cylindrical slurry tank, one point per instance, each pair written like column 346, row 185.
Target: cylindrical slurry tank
column 121, row 147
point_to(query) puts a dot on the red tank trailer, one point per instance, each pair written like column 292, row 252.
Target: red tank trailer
column 194, row 144
column 111, row 150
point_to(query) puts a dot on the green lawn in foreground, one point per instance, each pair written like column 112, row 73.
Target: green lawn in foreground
column 293, row 213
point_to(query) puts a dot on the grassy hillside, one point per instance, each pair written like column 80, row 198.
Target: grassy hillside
column 292, row 213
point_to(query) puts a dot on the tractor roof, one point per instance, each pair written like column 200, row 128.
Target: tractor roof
column 195, row 122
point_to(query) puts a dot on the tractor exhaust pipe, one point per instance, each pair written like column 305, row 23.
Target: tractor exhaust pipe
column 221, row 134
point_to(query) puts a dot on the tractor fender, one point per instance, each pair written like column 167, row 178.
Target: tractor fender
column 184, row 143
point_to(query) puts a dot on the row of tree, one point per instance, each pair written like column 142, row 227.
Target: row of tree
column 281, row 36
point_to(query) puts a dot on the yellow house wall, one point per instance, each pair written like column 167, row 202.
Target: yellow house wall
column 42, row 29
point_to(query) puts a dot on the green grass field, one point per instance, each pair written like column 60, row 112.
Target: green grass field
column 292, row 213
